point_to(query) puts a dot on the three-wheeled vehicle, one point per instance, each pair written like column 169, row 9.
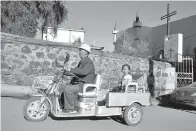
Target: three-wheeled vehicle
column 127, row 104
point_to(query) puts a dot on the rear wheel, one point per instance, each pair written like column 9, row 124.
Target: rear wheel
column 34, row 111
column 133, row 114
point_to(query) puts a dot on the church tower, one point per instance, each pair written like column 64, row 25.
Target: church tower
column 137, row 24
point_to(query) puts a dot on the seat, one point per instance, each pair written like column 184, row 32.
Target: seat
column 92, row 89
column 130, row 85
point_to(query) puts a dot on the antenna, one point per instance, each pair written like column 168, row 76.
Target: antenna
column 137, row 13
column 115, row 26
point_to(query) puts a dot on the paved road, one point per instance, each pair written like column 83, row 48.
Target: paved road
column 155, row 119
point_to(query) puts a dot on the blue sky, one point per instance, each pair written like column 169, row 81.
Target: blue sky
column 98, row 17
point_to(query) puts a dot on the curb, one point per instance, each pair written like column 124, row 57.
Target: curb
column 16, row 91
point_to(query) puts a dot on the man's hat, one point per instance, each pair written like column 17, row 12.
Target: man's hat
column 85, row 47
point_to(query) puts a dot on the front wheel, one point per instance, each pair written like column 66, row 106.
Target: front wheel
column 133, row 114
column 34, row 111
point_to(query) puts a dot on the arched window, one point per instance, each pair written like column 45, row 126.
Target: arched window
column 161, row 55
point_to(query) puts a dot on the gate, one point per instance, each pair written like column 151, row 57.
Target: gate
column 185, row 71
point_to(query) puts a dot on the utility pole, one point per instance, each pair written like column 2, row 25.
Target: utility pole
column 168, row 18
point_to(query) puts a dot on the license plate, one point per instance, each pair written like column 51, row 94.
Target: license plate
column 45, row 79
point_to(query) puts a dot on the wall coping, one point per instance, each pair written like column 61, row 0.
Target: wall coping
column 32, row 40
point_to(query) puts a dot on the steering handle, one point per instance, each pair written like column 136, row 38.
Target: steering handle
column 68, row 73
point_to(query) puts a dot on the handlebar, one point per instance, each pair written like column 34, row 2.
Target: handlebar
column 68, row 73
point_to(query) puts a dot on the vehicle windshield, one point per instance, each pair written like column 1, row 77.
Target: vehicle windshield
column 192, row 85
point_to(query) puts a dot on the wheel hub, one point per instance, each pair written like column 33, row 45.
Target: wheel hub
column 35, row 110
column 134, row 115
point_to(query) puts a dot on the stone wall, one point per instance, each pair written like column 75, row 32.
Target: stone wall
column 24, row 58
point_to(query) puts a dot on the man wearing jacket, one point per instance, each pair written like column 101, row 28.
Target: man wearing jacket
column 85, row 71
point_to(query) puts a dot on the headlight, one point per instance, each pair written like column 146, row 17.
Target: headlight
column 193, row 94
column 178, row 93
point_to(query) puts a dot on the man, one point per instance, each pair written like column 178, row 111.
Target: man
column 85, row 71
column 150, row 81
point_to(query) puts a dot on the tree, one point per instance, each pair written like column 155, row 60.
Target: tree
column 134, row 47
column 24, row 17
column 19, row 17
column 127, row 40
column 51, row 14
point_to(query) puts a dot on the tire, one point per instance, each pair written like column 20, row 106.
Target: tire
column 138, row 112
column 35, row 116
column 165, row 100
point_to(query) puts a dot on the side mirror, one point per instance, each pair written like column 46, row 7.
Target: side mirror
column 65, row 61
column 67, row 58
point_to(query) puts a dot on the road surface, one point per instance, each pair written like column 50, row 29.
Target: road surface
column 155, row 119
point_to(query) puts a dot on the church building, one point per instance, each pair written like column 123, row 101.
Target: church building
column 155, row 36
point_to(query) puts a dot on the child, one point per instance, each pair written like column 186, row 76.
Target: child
column 126, row 76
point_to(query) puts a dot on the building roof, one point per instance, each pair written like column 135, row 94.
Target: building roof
column 69, row 29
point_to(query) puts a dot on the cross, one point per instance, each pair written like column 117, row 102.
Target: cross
column 168, row 17
column 170, row 50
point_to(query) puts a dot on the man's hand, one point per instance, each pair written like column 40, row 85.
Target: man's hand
column 67, row 67
column 59, row 63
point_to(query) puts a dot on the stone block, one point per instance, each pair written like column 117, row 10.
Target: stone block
column 52, row 56
column 4, row 66
column 40, row 54
column 18, row 62
column 27, row 71
column 2, row 57
column 46, row 63
column 26, row 49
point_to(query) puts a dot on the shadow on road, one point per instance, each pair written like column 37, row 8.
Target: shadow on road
column 93, row 118
column 78, row 118
column 118, row 119
column 181, row 107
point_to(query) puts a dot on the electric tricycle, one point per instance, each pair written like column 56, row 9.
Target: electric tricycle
column 126, row 104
